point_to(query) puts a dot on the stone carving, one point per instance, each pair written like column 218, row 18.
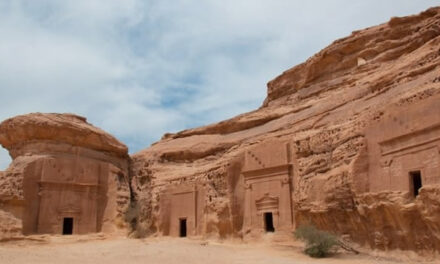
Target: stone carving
column 267, row 203
column 348, row 141
column 339, row 174
column 67, row 169
column 269, row 190
column 182, row 209
column 405, row 142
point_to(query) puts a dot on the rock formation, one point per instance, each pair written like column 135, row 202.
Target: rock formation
column 348, row 140
column 66, row 176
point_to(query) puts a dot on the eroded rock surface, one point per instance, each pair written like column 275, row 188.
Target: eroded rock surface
column 10, row 227
column 66, row 176
column 67, row 128
column 328, row 111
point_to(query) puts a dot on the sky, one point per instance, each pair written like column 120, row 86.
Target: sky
column 139, row 69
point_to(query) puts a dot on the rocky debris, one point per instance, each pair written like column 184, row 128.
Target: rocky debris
column 323, row 106
column 10, row 227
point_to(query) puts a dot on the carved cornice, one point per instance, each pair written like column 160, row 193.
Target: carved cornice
column 267, row 203
column 415, row 139
column 267, row 172
column 46, row 186
column 69, row 210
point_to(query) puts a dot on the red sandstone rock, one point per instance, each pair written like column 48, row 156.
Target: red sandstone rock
column 348, row 140
column 66, row 128
column 323, row 133
column 65, row 174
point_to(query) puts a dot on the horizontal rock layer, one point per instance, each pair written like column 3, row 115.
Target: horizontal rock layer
column 61, row 128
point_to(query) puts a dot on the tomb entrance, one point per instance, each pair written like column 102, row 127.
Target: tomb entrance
column 268, row 222
column 67, row 225
column 267, row 174
column 182, row 209
column 415, row 182
column 73, row 176
column 182, row 223
column 403, row 155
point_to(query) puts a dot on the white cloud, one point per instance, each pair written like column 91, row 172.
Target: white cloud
column 139, row 69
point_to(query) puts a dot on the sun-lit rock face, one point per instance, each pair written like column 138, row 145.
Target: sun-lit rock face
column 66, row 176
column 349, row 135
column 66, row 128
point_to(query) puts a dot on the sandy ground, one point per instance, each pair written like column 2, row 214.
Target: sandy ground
column 105, row 250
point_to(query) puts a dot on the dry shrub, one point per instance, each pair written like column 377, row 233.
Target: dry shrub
column 138, row 229
column 319, row 244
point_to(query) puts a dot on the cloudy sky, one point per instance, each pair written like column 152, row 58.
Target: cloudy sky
column 139, row 69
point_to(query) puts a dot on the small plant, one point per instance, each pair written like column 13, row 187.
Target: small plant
column 319, row 243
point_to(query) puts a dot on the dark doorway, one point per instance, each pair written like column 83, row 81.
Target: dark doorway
column 67, row 226
column 182, row 228
column 416, row 182
column 268, row 222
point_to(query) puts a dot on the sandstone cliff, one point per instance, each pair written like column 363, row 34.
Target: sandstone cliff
column 324, row 107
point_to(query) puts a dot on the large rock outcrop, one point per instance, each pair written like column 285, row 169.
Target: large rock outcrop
column 66, row 176
column 328, row 112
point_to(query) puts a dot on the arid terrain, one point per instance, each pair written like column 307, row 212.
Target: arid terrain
column 102, row 249
column 348, row 141
column 344, row 131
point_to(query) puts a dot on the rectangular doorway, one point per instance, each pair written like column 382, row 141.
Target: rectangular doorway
column 182, row 227
column 415, row 182
column 67, row 225
column 268, row 222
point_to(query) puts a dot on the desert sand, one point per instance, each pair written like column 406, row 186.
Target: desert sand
column 103, row 249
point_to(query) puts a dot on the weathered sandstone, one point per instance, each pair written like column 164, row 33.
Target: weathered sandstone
column 10, row 227
column 65, row 174
column 338, row 142
column 348, row 141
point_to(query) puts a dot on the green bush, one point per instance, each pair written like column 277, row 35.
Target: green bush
column 319, row 243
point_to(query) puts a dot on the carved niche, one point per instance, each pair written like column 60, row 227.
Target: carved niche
column 182, row 204
column 406, row 140
column 267, row 174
